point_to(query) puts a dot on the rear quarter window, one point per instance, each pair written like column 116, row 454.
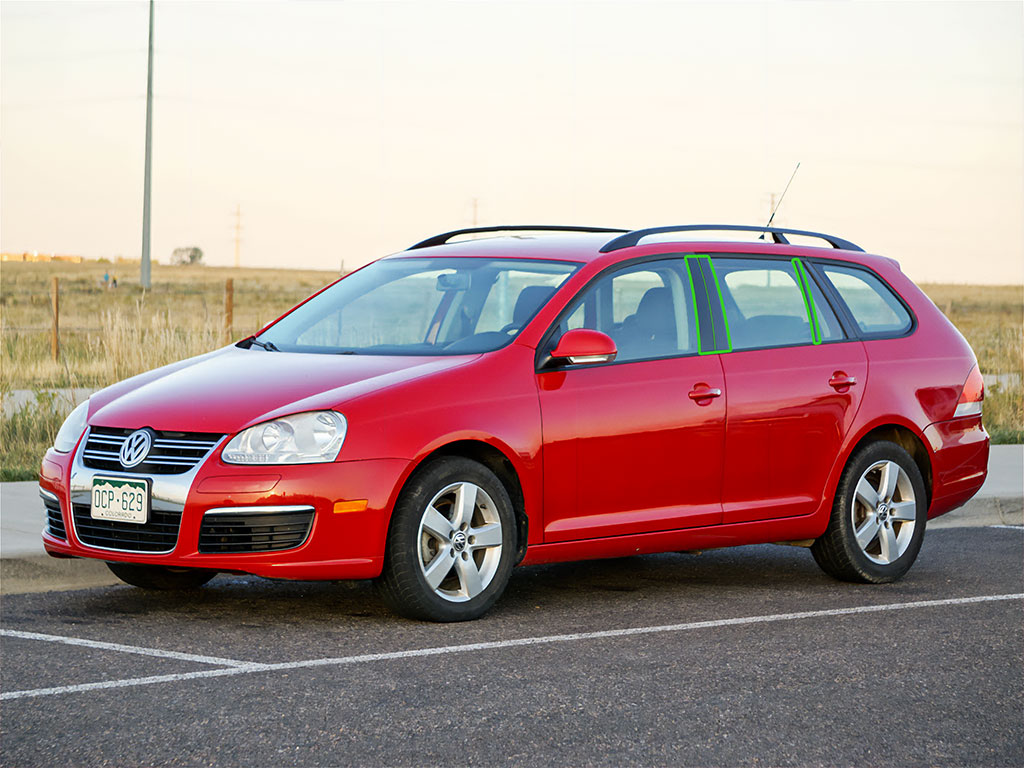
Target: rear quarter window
column 874, row 306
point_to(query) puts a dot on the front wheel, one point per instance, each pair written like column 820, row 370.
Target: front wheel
column 450, row 544
column 160, row 578
column 878, row 517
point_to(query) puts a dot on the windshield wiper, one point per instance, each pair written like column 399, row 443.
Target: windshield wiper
column 267, row 345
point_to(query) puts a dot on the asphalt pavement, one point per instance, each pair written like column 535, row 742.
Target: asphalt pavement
column 744, row 656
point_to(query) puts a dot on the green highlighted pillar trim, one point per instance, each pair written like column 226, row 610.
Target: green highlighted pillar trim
column 804, row 281
column 696, row 312
column 701, row 264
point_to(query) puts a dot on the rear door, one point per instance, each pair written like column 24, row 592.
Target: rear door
column 794, row 382
column 627, row 447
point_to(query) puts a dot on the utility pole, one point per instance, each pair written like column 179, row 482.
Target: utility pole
column 238, row 236
column 144, row 277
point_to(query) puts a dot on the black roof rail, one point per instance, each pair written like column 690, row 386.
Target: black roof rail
column 778, row 235
column 444, row 237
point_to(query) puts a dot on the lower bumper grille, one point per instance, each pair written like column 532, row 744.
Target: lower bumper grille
column 227, row 532
column 159, row 535
column 54, row 519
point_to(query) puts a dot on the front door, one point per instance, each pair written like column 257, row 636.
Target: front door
column 634, row 446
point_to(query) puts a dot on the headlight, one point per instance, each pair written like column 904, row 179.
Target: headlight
column 72, row 429
column 305, row 438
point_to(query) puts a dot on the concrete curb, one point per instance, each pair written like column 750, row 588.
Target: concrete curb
column 42, row 573
column 978, row 513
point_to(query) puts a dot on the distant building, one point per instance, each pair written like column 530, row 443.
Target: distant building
column 43, row 257
column 35, row 256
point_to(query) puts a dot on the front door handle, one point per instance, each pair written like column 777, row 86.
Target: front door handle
column 705, row 393
column 841, row 382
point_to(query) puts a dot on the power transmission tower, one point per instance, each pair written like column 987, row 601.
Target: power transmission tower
column 144, row 276
column 238, row 236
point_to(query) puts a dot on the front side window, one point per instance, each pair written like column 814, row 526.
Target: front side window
column 874, row 307
column 646, row 309
column 418, row 306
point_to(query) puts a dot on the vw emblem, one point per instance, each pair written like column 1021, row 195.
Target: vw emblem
column 135, row 448
column 459, row 541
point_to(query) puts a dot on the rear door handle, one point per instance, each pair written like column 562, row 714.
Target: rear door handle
column 704, row 392
column 840, row 381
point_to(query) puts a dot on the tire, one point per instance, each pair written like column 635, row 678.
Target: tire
column 873, row 537
column 160, row 578
column 451, row 543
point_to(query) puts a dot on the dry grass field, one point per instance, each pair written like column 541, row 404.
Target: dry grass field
column 108, row 334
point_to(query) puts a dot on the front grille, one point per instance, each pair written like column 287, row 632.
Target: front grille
column 158, row 535
column 172, row 453
column 54, row 520
column 254, row 531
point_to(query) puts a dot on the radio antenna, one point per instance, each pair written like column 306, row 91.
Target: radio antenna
column 776, row 208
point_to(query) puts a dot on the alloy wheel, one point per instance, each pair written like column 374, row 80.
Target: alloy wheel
column 460, row 542
column 884, row 512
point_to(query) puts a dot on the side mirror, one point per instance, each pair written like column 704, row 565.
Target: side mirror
column 583, row 346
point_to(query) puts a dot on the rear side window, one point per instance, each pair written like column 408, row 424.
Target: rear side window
column 874, row 307
column 763, row 302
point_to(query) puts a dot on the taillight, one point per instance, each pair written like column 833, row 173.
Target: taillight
column 969, row 403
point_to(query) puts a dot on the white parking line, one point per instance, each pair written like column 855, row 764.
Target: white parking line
column 246, row 668
column 125, row 648
column 1010, row 527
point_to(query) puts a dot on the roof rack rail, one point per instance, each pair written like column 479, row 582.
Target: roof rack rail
column 778, row 235
column 444, row 237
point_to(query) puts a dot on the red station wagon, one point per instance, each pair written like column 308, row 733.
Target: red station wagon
column 451, row 411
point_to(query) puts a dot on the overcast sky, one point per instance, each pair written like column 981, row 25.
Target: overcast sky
column 346, row 131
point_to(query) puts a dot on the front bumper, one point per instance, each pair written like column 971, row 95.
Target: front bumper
column 345, row 540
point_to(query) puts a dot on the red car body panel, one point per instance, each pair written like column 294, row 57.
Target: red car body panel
column 786, row 426
column 613, row 438
column 611, row 460
column 234, row 388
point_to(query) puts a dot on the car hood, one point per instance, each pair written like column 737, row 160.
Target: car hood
column 233, row 388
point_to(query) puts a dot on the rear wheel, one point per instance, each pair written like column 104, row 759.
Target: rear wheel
column 878, row 517
column 159, row 577
column 451, row 543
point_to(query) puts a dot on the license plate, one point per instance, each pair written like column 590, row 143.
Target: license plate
column 117, row 499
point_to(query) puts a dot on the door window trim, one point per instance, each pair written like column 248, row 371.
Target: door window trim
column 704, row 314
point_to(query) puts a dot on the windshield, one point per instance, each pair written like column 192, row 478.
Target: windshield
column 413, row 306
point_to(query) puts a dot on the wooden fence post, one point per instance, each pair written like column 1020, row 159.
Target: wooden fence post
column 55, row 304
column 229, row 308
